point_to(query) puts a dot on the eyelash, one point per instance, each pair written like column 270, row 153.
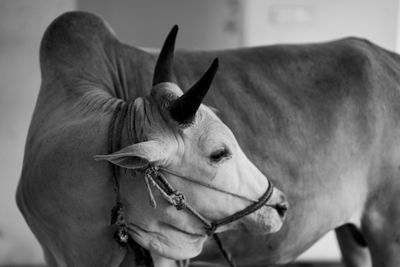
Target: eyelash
column 219, row 155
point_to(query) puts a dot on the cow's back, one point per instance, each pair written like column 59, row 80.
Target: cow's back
column 321, row 121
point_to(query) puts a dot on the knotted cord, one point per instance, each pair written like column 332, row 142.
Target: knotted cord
column 207, row 185
column 224, row 252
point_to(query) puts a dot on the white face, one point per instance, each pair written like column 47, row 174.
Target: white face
column 205, row 151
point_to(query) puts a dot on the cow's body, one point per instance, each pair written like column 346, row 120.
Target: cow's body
column 321, row 121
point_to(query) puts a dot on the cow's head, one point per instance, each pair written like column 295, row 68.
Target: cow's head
column 176, row 132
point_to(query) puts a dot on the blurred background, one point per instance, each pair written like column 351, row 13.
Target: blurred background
column 206, row 24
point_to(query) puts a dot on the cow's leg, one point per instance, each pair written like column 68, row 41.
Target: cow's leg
column 48, row 256
column 381, row 226
column 354, row 254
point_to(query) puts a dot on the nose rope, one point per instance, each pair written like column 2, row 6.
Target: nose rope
column 154, row 177
column 225, row 253
column 173, row 197
column 208, row 185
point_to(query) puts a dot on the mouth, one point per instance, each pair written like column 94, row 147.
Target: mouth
column 266, row 220
column 136, row 229
column 191, row 235
column 187, row 233
column 168, row 240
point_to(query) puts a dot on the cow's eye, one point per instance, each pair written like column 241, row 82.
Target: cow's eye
column 219, row 155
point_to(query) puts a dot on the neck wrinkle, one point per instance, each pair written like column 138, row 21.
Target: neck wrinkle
column 135, row 121
column 120, row 81
column 132, row 136
column 142, row 114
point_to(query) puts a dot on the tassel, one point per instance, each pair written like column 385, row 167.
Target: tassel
column 152, row 200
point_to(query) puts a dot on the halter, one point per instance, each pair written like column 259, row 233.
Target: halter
column 153, row 176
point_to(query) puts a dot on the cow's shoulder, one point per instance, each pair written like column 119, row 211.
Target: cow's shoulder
column 75, row 50
column 80, row 52
column 74, row 34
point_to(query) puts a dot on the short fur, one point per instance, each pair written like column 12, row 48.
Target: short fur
column 320, row 120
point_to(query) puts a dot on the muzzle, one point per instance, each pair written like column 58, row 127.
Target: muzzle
column 155, row 177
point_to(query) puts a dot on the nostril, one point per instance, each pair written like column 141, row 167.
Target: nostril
column 282, row 208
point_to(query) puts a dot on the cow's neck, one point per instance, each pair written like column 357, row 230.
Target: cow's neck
column 124, row 118
column 131, row 74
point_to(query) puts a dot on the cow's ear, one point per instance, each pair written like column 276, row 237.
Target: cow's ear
column 136, row 156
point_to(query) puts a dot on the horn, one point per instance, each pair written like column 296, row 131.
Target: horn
column 183, row 109
column 163, row 69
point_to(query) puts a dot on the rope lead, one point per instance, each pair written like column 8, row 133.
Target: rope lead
column 224, row 252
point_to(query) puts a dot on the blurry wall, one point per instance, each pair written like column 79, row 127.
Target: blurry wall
column 210, row 24
column 206, row 24
column 22, row 24
column 299, row 21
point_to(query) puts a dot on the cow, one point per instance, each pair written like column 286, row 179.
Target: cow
column 318, row 121
column 178, row 174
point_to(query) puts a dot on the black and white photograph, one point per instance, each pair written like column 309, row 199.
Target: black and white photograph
column 199, row 133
